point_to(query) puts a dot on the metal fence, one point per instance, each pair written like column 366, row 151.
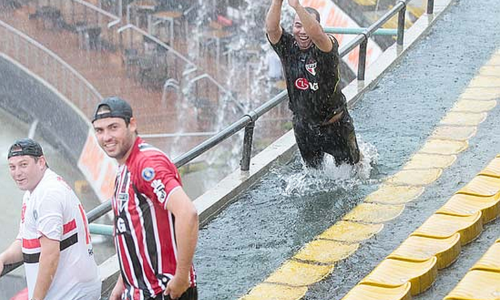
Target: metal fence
column 248, row 120
column 44, row 63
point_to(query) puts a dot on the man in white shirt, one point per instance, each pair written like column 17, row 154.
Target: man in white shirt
column 53, row 240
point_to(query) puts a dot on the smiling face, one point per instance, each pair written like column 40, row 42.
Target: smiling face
column 300, row 34
column 115, row 137
column 27, row 171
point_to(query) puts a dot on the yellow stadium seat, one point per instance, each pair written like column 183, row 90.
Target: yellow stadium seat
column 455, row 133
column 477, row 285
column 325, row 252
column 466, row 205
column 444, row 147
column 490, row 261
column 474, row 106
column 430, row 161
column 444, row 226
column 463, row 119
column 372, row 292
column 480, row 93
column 374, row 213
column 492, row 169
column 395, row 194
column 350, row 232
column 485, row 82
column 417, row 248
column 415, row 177
column 483, row 186
column 395, row 272
column 275, row 292
column 296, row 273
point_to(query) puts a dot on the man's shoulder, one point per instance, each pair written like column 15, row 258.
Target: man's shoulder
column 149, row 161
column 152, row 155
column 51, row 183
column 286, row 40
column 335, row 47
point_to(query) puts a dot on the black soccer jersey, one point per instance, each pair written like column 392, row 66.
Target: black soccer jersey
column 312, row 78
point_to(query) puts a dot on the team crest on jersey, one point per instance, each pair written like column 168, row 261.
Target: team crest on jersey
column 148, row 174
column 122, row 201
column 121, row 227
column 311, row 68
column 159, row 190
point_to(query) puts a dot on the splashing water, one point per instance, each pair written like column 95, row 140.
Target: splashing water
column 331, row 177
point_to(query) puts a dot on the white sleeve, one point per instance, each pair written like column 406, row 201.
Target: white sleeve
column 20, row 232
column 21, row 221
column 50, row 215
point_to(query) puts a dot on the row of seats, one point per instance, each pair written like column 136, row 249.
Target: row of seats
column 482, row 281
column 412, row 267
column 316, row 260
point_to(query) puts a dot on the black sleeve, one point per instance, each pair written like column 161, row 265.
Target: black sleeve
column 331, row 58
column 283, row 45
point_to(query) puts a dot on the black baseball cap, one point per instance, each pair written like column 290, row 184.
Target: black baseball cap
column 113, row 107
column 25, row 147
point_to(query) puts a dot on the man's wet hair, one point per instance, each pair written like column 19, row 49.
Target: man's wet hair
column 314, row 12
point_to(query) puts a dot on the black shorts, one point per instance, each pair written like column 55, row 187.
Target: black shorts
column 190, row 294
column 337, row 139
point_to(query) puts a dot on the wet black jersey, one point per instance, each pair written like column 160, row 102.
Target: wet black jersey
column 312, row 79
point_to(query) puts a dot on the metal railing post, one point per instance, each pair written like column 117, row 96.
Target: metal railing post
column 401, row 24
column 362, row 58
column 430, row 7
column 247, row 147
column 120, row 9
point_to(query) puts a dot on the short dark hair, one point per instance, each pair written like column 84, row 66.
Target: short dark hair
column 315, row 12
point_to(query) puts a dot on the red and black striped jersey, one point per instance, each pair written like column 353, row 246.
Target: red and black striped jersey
column 144, row 234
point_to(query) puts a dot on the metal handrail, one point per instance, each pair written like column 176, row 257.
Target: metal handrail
column 248, row 120
column 156, row 40
column 226, row 92
column 191, row 66
column 180, row 161
column 98, row 10
column 92, row 90
column 345, row 30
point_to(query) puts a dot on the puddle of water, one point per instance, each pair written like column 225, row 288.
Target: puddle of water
column 269, row 223
column 331, row 177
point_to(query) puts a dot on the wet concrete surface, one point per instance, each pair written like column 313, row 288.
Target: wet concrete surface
column 266, row 225
column 398, row 116
column 269, row 223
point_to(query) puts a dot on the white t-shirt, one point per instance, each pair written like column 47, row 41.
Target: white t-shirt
column 54, row 211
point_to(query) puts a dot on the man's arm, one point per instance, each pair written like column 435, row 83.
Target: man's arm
column 186, row 235
column 49, row 259
column 273, row 27
column 312, row 27
column 117, row 292
column 13, row 254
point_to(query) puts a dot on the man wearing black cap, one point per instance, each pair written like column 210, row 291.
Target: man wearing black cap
column 156, row 224
column 53, row 239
